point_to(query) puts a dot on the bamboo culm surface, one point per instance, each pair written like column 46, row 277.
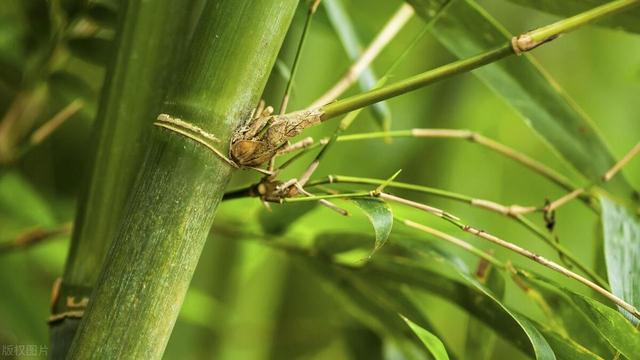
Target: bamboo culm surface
column 151, row 36
column 172, row 205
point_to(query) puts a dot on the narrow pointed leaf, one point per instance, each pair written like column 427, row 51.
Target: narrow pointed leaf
column 566, row 348
column 628, row 20
column 621, row 232
column 621, row 333
column 471, row 296
column 361, row 305
column 466, row 29
column 379, row 213
column 568, row 318
column 480, row 338
column 430, row 341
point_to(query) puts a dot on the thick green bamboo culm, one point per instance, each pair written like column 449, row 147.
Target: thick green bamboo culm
column 150, row 38
column 172, row 205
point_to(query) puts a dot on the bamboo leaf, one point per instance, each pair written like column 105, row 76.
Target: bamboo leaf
column 466, row 29
column 568, row 320
column 358, row 300
column 380, row 216
column 467, row 293
column 430, row 341
column 621, row 333
column 621, row 230
column 480, row 338
column 628, row 20
column 348, row 35
column 566, row 348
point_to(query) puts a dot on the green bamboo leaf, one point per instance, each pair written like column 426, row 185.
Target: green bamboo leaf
column 92, row 49
column 621, row 232
column 566, row 348
column 628, row 20
column 568, row 320
column 430, row 341
column 512, row 326
column 621, row 333
column 360, row 302
column 381, row 217
column 465, row 292
column 348, row 36
column 480, row 338
column 466, row 29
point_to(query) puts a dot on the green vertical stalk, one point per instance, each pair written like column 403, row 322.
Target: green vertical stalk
column 150, row 38
column 172, row 204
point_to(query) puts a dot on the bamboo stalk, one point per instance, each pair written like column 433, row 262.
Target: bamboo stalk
column 156, row 248
column 150, row 38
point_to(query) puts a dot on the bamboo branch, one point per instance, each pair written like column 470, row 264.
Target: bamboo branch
column 476, row 138
column 515, row 212
column 34, row 237
column 519, row 44
column 388, row 33
column 620, row 164
column 535, row 257
column 549, row 264
column 55, row 122
column 455, row 241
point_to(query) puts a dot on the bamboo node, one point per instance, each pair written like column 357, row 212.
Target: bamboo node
column 256, row 142
column 192, row 132
column 525, row 42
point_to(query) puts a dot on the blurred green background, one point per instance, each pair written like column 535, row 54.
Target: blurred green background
column 248, row 301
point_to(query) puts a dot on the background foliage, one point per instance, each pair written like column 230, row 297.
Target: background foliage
column 252, row 300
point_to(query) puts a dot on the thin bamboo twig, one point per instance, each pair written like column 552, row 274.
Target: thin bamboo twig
column 55, row 122
column 455, row 241
column 563, row 200
column 537, row 37
column 547, row 263
column 313, row 7
column 498, row 208
column 484, row 235
column 620, row 164
column 388, row 33
column 526, row 253
column 291, row 124
column 430, row 209
column 476, row 138
column 415, row 82
column 34, row 237
column 518, row 45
